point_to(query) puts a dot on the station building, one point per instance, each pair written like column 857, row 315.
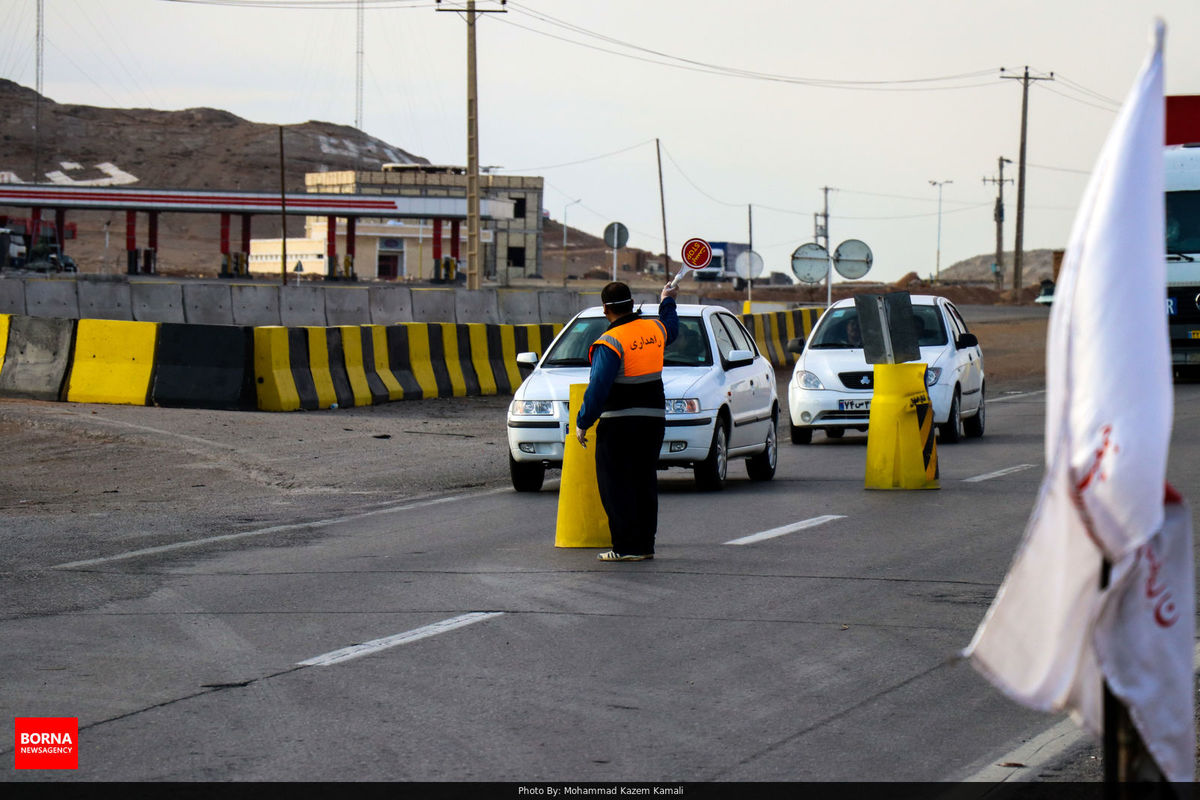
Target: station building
column 415, row 249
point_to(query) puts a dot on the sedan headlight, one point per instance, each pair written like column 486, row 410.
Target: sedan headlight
column 532, row 408
column 689, row 405
column 807, row 380
column 932, row 374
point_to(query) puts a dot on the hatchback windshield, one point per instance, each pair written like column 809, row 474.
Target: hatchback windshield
column 839, row 329
column 690, row 348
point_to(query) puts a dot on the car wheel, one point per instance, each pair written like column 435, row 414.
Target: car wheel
column 710, row 473
column 952, row 430
column 801, row 435
column 526, row 476
column 761, row 467
column 835, row 433
column 973, row 426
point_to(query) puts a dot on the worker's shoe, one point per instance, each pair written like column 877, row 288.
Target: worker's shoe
column 613, row 555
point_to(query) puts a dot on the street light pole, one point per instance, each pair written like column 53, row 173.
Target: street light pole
column 564, row 227
column 939, row 185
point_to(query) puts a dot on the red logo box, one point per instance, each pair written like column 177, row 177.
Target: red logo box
column 47, row 742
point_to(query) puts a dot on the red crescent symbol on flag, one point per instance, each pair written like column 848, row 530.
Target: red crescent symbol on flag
column 1166, row 613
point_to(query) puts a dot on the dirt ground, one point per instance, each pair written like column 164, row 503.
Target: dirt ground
column 103, row 467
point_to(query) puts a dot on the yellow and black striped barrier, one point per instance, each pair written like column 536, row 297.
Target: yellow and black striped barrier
column 275, row 368
column 772, row 330
column 270, row 368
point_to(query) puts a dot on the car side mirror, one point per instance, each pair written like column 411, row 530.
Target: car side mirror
column 740, row 358
column 795, row 346
column 526, row 361
column 967, row 340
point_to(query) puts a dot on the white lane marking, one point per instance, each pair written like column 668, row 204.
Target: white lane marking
column 320, row 523
column 786, row 529
column 375, row 645
column 1016, row 396
column 998, row 473
column 1042, row 750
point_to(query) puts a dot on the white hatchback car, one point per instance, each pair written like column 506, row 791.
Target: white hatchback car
column 721, row 399
column 832, row 382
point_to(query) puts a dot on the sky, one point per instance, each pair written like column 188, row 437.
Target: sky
column 756, row 105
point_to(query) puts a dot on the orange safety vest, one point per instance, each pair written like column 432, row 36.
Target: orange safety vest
column 638, row 387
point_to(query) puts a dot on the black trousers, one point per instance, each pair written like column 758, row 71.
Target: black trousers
column 627, row 475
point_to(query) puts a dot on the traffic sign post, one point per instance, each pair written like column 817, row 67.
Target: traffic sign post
column 748, row 265
column 616, row 236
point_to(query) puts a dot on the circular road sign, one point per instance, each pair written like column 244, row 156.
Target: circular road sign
column 810, row 263
column 748, row 265
column 852, row 259
column 696, row 253
column 616, row 235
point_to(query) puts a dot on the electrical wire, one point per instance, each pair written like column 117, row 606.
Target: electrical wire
column 580, row 161
column 307, row 4
column 1077, row 100
column 667, row 59
column 988, row 204
column 1058, row 76
column 694, row 184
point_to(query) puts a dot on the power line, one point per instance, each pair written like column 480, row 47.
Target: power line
column 695, row 186
column 579, row 161
column 666, row 59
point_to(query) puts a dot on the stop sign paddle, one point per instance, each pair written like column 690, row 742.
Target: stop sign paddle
column 697, row 254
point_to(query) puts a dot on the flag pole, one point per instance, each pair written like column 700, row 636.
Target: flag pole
column 1126, row 759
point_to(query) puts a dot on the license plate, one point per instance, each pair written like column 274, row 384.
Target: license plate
column 854, row 405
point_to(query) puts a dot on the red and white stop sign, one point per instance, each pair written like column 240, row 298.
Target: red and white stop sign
column 697, row 253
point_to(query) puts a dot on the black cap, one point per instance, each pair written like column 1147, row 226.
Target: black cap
column 617, row 296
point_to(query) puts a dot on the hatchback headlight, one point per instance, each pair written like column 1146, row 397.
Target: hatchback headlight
column 807, row 380
column 932, row 374
column 689, row 405
column 532, row 408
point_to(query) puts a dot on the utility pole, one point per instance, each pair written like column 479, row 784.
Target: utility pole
column 282, row 215
column 473, row 276
column 750, row 254
column 938, row 263
column 37, row 100
column 1017, row 254
column 564, row 226
column 662, row 204
column 998, row 215
column 358, row 83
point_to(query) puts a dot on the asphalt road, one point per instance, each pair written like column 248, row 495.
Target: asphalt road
column 178, row 579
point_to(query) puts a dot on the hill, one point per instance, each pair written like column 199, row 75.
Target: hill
column 1036, row 265
column 196, row 148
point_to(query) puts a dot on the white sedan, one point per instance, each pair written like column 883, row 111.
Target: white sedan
column 832, row 382
column 721, row 399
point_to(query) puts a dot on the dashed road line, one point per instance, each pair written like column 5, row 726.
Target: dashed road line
column 998, row 473
column 786, row 529
column 319, row 523
column 375, row 645
column 1015, row 396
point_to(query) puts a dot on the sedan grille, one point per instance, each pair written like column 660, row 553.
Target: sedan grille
column 857, row 380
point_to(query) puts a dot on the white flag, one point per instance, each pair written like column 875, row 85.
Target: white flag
column 1052, row 635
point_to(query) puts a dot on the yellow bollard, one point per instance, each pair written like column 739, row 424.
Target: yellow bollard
column 581, row 519
column 901, row 450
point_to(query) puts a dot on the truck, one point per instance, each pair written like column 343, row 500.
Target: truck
column 1182, row 184
column 12, row 249
column 724, row 255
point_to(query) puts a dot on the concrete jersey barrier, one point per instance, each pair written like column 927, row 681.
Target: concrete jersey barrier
column 278, row 368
